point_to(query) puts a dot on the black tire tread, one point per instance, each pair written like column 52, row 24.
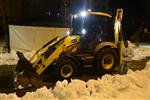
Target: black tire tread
column 99, row 58
column 60, row 63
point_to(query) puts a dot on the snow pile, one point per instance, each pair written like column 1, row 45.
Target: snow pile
column 141, row 53
column 40, row 94
column 12, row 58
column 8, row 97
column 133, row 86
column 8, row 58
column 74, row 90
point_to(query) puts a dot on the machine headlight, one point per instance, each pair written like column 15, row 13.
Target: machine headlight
column 83, row 13
column 68, row 32
column 89, row 10
column 83, row 31
column 75, row 16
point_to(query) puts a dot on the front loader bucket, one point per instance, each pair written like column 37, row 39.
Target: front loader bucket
column 25, row 67
column 23, row 64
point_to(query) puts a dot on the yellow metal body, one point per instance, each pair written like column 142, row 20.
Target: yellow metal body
column 69, row 45
column 108, row 66
column 118, row 32
column 100, row 13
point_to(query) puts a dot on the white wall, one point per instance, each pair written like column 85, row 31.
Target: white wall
column 28, row 38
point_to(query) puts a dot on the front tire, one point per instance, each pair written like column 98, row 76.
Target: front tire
column 106, row 60
column 65, row 69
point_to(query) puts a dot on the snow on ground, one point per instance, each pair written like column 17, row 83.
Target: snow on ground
column 12, row 58
column 8, row 58
column 132, row 86
column 141, row 53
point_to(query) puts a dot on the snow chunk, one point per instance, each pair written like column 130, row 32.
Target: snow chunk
column 40, row 94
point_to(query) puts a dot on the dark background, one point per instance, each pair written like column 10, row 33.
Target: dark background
column 56, row 12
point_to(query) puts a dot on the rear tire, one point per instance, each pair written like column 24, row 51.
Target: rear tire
column 106, row 60
column 65, row 69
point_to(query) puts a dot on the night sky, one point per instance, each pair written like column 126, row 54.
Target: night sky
column 51, row 13
column 47, row 12
column 136, row 12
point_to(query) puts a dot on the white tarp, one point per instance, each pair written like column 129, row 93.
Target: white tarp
column 32, row 37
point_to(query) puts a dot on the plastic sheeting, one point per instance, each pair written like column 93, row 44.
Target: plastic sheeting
column 28, row 38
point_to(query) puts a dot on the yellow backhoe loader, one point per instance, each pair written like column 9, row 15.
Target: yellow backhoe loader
column 94, row 40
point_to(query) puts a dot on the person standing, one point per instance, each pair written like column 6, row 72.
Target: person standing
column 127, row 54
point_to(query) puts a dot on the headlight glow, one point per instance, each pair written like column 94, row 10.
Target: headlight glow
column 89, row 10
column 75, row 16
column 83, row 13
column 83, row 31
column 68, row 32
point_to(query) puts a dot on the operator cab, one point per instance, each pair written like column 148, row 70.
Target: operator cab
column 93, row 28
